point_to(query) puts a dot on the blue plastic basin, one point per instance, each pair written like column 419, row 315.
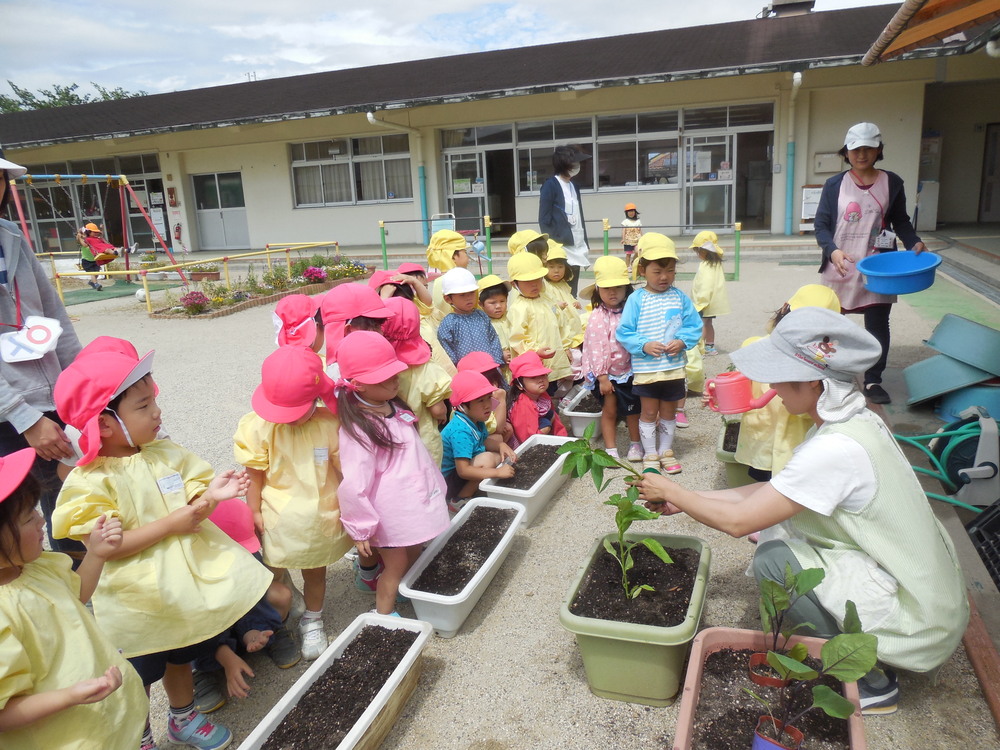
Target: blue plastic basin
column 900, row 272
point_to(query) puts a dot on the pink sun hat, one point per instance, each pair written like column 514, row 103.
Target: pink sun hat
column 402, row 330
column 528, row 365
column 409, row 268
column 367, row 357
column 477, row 362
column 295, row 320
column 468, row 385
column 344, row 302
column 292, row 378
column 14, row 467
column 235, row 518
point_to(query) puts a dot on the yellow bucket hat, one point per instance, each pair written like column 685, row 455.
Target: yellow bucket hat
column 519, row 240
column 556, row 251
column 442, row 248
column 815, row 295
column 525, row 267
column 490, row 281
column 707, row 240
column 609, row 271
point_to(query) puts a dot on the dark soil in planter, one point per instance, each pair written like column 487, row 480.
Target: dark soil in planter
column 331, row 706
column 726, row 716
column 602, row 596
column 465, row 552
column 731, row 437
column 530, row 466
column 589, row 405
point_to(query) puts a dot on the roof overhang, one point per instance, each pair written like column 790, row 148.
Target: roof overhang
column 919, row 23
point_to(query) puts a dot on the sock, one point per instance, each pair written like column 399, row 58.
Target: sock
column 182, row 716
column 147, row 736
column 613, row 452
column 369, row 574
column 647, row 435
column 310, row 615
column 667, row 430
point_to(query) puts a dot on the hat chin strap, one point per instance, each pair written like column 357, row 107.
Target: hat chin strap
column 128, row 437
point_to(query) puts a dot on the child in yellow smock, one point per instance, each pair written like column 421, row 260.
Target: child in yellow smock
column 177, row 581
column 289, row 446
column 566, row 306
column 533, row 324
column 493, row 296
column 447, row 250
column 709, row 290
column 423, row 385
column 63, row 684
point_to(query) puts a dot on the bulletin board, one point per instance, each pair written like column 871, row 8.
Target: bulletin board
column 810, row 202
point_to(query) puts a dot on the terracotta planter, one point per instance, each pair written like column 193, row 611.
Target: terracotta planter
column 204, row 275
column 711, row 640
column 790, row 740
column 447, row 612
column 538, row 495
column 636, row 663
column 380, row 716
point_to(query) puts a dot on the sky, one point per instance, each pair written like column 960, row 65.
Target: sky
column 187, row 44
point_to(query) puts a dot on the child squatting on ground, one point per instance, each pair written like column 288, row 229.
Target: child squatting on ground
column 467, row 461
column 659, row 322
column 288, row 445
column 392, row 498
column 496, row 423
column 63, row 684
column 531, row 408
column 175, row 582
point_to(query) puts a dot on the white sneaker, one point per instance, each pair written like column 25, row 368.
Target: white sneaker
column 314, row 640
column 298, row 607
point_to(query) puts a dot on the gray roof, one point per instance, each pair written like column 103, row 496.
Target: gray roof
column 737, row 48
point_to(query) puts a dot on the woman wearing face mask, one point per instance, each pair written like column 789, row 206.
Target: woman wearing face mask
column 560, row 210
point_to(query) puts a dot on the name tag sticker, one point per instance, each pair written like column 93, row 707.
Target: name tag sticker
column 38, row 337
column 170, row 483
column 321, row 455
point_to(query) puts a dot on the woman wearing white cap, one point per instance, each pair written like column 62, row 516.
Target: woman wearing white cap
column 861, row 212
column 847, row 501
column 27, row 411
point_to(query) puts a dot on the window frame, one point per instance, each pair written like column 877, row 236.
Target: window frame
column 357, row 176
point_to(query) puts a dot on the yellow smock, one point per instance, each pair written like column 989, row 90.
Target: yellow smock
column 694, row 368
column 502, row 327
column 569, row 317
column 430, row 317
column 49, row 641
column 769, row 435
column 534, row 326
column 709, row 290
column 178, row 592
column 301, row 464
column 422, row 386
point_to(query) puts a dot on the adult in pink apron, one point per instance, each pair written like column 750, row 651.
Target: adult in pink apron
column 861, row 212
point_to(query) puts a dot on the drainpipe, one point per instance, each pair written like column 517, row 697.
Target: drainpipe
column 421, row 171
column 790, row 155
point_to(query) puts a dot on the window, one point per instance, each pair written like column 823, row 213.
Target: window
column 351, row 170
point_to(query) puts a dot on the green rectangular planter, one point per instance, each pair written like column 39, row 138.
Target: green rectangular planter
column 637, row 663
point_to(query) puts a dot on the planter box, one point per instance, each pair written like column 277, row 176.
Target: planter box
column 447, row 613
column 736, row 473
column 204, row 275
column 636, row 663
column 381, row 714
column 535, row 498
column 711, row 640
column 578, row 421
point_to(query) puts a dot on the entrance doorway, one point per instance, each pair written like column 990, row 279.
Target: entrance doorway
column 989, row 194
column 727, row 178
column 481, row 183
column 221, row 211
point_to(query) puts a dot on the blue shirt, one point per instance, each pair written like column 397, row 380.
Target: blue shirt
column 462, row 438
column 472, row 332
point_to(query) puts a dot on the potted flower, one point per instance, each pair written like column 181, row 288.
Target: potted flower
column 195, row 303
column 447, row 611
column 378, row 718
column 537, row 495
column 638, row 662
column 314, row 275
column 204, row 272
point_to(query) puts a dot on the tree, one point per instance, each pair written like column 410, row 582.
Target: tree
column 59, row 96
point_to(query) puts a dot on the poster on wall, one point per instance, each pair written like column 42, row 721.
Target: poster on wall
column 159, row 221
column 461, row 186
column 703, row 161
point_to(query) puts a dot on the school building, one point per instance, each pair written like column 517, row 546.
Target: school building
column 701, row 126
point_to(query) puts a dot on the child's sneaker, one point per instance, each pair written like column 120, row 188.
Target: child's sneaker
column 283, row 649
column 651, row 461
column 95, row 286
column 669, row 464
column 710, row 350
column 314, row 640
column 682, row 420
column 879, row 701
column 208, row 695
column 150, row 745
column 634, row 453
column 457, row 503
column 199, row 732
column 365, row 584
column 298, row 607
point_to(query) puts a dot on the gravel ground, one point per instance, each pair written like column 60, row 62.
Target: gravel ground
column 512, row 677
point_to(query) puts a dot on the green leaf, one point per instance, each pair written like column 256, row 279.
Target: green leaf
column 604, row 486
column 799, row 652
column 807, row 580
column 601, row 458
column 757, row 698
column 849, row 656
column 834, row 705
column 657, row 549
column 639, row 589
column 582, row 465
column 597, row 474
column 629, row 562
column 788, row 667
column 589, row 432
column 852, row 623
column 609, row 548
column 773, row 598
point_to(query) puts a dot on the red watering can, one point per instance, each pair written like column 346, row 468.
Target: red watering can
column 731, row 393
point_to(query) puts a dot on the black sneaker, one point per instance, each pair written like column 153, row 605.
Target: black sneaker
column 879, row 701
column 95, row 286
column 283, row 649
column 875, row 393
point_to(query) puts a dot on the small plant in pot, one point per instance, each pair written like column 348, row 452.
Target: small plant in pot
column 847, row 657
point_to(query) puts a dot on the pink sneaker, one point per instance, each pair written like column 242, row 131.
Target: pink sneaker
column 682, row 420
column 669, row 464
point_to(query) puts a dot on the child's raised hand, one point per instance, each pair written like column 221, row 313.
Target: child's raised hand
column 546, row 352
column 96, row 689
column 227, row 484
column 106, row 537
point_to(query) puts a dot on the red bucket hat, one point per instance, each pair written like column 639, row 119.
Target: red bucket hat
column 402, row 330
column 344, row 302
column 14, row 467
column 292, row 378
column 409, row 268
column 477, row 362
column 91, row 382
column 235, row 518
column 295, row 320
column 367, row 357
column 528, row 365
column 468, row 385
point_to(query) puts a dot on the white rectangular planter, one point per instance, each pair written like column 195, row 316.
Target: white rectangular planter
column 378, row 719
column 577, row 421
column 535, row 498
column 447, row 613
